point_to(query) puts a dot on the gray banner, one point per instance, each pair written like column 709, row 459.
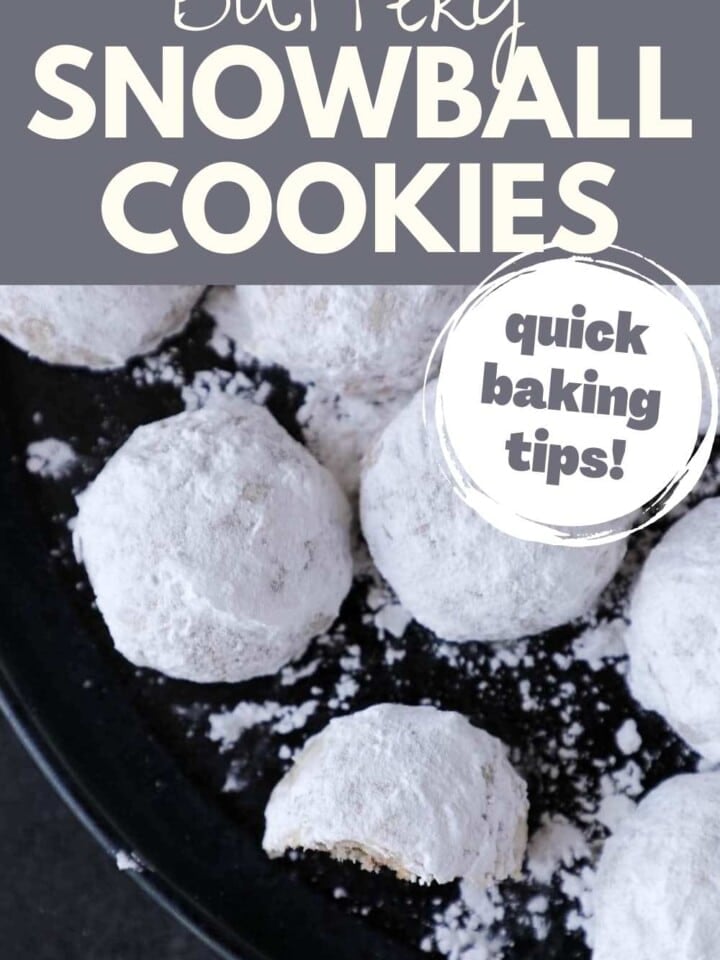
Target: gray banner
column 663, row 191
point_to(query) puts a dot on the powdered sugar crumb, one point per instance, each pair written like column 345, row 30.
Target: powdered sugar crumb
column 158, row 368
column 235, row 782
column 204, row 386
column 387, row 616
column 627, row 737
column 469, row 928
column 228, row 726
column 221, row 344
column 345, row 690
column 555, row 844
column 291, row 674
column 393, row 619
column 294, row 718
column 51, row 459
column 603, row 642
column 128, row 861
column 209, row 385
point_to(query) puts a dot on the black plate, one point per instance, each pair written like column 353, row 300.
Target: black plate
column 129, row 750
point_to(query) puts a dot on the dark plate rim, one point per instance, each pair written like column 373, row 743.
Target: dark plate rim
column 90, row 816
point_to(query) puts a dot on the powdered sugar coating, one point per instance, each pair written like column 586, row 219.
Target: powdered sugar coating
column 674, row 634
column 416, row 789
column 216, row 545
column 338, row 429
column 93, row 326
column 657, row 892
column 361, row 339
column 458, row 575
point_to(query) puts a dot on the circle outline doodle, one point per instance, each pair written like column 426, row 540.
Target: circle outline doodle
column 698, row 332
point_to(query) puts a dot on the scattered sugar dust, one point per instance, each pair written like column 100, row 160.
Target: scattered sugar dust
column 226, row 727
column 469, row 928
column 201, row 387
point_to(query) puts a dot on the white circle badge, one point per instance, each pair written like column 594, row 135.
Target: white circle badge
column 570, row 395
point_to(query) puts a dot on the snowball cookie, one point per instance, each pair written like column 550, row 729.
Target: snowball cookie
column 365, row 339
column 657, row 892
column 216, row 545
column 454, row 572
column 415, row 789
column 99, row 327
column 674, row 634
